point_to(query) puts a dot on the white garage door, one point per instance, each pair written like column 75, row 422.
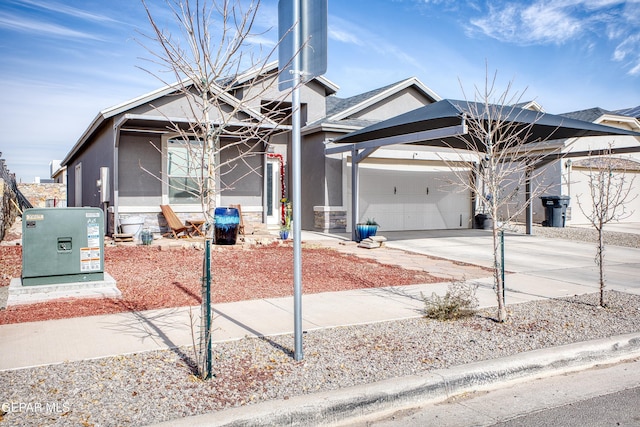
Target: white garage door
column 580, row 191
column 413, row 198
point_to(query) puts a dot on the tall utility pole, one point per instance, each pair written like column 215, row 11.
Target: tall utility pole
column 302, row 28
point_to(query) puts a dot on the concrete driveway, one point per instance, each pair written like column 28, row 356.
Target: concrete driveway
column 533, row 261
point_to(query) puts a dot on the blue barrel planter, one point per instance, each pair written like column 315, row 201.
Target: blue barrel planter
column 227, row 221
column 365, row 230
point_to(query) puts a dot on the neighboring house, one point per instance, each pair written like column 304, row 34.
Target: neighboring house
column 575, row 170
column 57, row 172
column 568, row 176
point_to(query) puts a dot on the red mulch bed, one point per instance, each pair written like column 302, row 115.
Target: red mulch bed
column 150, row 278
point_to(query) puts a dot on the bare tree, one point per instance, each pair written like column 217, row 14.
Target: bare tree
column 610, row 187
column 497, row 163
column 224, row 120
column 228, row 115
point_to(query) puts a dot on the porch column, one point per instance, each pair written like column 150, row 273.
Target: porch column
column 355, row 208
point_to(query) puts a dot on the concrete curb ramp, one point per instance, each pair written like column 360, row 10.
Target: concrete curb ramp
column 338, row 406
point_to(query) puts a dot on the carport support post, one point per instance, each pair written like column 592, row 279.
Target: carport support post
column 354, row 191
column 529, row 209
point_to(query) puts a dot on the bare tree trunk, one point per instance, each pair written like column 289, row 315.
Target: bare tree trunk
column 600, row 262
column 497, row 276
column 610, row 192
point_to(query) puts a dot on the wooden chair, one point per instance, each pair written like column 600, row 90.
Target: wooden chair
column 174, row 223
column 241, row 225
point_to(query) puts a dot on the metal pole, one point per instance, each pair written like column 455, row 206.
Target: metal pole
column 207, row 254
column 296, row 198
column 502, row 265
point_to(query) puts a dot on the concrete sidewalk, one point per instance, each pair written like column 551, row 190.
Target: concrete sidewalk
column 56, row 341
column 539, row 273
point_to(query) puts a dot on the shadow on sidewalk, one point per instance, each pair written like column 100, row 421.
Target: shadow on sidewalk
column 289, row 352
column 145, row 327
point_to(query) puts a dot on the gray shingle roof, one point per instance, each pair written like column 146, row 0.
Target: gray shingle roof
column 599, row 162
column 631, row 112
column 335, row 104
column 590, row 115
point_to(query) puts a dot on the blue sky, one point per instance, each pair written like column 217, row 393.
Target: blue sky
column 65, row 60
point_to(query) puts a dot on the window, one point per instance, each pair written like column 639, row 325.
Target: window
column 184, row 170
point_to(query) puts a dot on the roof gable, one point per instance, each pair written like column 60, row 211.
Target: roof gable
column 272, row 67
column 341, row 108
column 530, row 105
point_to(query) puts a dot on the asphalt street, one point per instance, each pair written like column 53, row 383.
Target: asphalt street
column 616, row 409
column 602, row 396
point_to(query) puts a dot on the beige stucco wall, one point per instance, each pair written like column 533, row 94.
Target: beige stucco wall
column 44, row 195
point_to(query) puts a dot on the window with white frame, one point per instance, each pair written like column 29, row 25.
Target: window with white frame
column 184, row 170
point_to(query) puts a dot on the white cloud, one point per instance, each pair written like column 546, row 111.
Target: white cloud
column 549, row 24
column 545, row 22
column 532, row 24
column 351, row 33
column 629, row 50
column 67, row 10
column 344, row 36
column 346, row 32
column 41, row 28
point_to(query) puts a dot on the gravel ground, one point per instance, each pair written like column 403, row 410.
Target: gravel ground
column 151, row 387
column 585, row 234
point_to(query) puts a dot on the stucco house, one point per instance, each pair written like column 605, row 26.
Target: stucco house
column 403, row 187
column 122, row 162
column 573, row 170
column 570, row 161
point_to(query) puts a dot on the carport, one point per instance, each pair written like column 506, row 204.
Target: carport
column 445, row 124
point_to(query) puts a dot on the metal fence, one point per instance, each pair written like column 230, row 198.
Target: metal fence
column 10, row 179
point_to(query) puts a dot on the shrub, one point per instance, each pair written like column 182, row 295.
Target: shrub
column 459, row 301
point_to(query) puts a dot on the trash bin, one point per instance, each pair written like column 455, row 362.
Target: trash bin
column 227, row 221
column 483, row 221
column 555, row 210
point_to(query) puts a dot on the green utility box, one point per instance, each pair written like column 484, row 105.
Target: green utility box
column 62, row 245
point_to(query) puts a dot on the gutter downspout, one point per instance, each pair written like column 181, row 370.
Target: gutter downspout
column 116, row 144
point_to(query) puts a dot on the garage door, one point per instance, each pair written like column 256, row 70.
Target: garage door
column 413, row 197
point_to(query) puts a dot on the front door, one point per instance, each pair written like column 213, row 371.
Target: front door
column 273, row 192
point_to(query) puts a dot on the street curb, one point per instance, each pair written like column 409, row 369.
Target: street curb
column 337, row 406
